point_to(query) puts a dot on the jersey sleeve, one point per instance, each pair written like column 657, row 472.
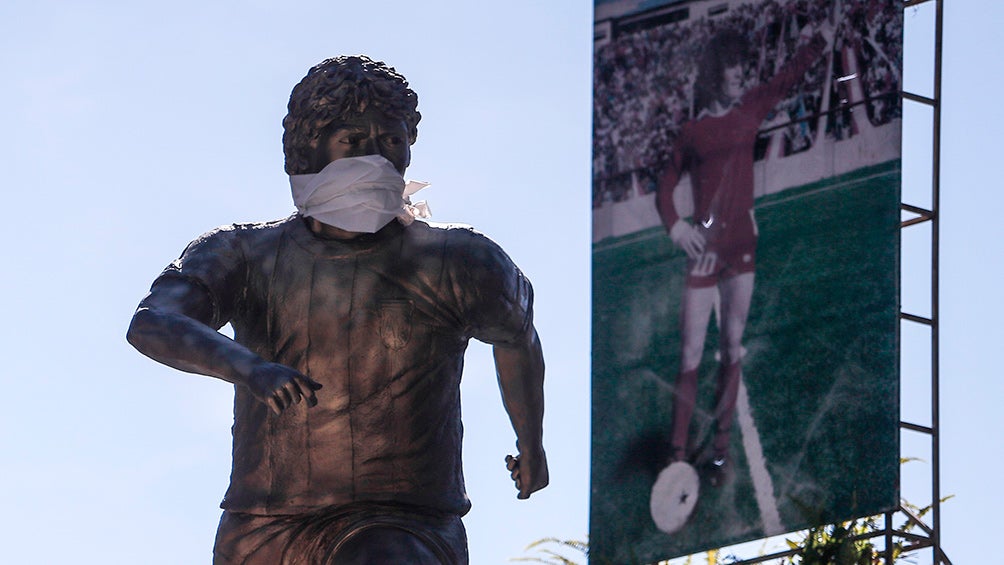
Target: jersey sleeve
column 765, row 96
column 495, row 299
column 215, row 263
column 679, row 162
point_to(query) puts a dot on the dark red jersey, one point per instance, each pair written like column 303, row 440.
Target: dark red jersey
column 717, row 151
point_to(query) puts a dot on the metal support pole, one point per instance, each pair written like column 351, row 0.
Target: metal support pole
column 888, row 538
column 939, row 557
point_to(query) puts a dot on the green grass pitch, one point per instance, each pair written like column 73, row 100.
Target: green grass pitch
column 822, row 370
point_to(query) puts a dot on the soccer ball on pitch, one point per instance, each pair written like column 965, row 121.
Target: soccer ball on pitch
column 674, row 496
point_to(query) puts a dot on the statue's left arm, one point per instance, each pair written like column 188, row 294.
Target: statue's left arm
column 520, row 369
column 497, row 302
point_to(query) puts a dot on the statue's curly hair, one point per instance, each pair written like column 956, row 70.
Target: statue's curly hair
column 336, row 89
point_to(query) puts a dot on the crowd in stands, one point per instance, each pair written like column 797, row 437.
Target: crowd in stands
column 643, row 82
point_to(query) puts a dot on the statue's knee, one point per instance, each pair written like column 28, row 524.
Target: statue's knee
column 377, row 546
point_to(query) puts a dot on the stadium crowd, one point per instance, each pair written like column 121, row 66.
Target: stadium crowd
column 643, row 82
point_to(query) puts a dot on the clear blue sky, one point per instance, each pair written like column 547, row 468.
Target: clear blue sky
column 130, row 128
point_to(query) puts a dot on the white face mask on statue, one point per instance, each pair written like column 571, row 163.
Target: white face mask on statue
column 357, row 194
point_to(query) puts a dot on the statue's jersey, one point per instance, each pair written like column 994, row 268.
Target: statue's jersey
column 382, row 322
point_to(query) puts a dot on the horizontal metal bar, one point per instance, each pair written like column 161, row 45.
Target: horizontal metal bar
column 916, row 428
column 916, row 209
column 917, row 546
column 911, row 3
column 838, row 108
column 910, row 536
column 923, row 215
column 914, row 221
column 919, row 98
column 792, row 552
column 918, row 319
column 765, row 558
column 916, row 541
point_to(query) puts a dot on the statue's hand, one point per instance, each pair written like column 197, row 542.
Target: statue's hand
column 279, row 387
column 529, row 471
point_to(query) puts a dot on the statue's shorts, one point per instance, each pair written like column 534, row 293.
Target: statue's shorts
column 360, row 533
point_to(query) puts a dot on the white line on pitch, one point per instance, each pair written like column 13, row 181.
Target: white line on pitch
column 763, row 486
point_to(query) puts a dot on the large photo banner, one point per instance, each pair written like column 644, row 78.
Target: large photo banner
column 746, row 189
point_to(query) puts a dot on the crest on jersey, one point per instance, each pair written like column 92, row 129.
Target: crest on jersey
column 395, row 322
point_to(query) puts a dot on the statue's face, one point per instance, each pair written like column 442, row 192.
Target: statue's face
column 370, row 133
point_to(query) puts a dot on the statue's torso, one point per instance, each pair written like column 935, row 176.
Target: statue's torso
column 382, row 323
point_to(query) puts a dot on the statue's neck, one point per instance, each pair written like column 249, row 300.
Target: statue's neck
column 326, row 231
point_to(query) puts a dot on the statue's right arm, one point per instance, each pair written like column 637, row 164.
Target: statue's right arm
column 172, row 326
